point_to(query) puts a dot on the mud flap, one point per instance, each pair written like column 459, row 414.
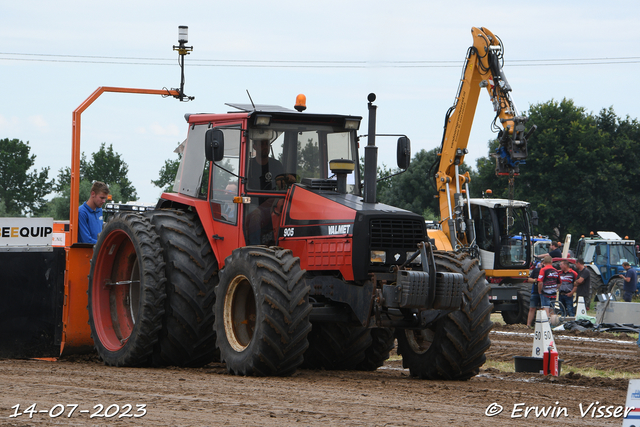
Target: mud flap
column 32, row 289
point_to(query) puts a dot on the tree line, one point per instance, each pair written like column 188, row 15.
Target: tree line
column 582, row 174
column 23, row 190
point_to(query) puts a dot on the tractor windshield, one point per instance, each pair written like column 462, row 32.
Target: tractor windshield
column 298, row 152
column 622, row 253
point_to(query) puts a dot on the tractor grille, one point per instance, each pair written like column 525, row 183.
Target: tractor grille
column 396, row 234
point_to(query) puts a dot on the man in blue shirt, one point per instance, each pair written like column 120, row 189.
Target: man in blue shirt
column 90, row 214
column 630, row 281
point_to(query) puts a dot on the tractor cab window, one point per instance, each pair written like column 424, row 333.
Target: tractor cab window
column 512, row 223
column 541, row 248
column 484, row 227
column 622, row 253
column 600, row 254
column 285, row 154
column 224, row 180
column 189, row 179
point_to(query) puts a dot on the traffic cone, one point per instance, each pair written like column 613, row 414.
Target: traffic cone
column 542, row 337
column 581, row 309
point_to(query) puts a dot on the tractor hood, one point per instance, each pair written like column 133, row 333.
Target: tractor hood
column 370, row 228
column 315, row 213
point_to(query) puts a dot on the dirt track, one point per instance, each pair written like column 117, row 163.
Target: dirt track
column 388, row 396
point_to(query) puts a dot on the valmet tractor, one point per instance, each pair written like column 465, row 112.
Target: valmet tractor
column 269, row 257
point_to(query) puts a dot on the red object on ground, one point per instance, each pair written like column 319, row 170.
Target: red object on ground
column 550, row 362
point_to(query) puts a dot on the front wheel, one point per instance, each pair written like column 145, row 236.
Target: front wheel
column 453, row 347
column 262, row 312
column 126, row 291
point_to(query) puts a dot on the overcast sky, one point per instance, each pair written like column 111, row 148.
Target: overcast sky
column 53, row 55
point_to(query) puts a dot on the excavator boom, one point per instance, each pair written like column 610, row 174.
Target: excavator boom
column 482, row 69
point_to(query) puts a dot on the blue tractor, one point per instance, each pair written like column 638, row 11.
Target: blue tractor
column 603, row 254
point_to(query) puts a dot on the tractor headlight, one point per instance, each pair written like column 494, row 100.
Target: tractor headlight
column 378, row 257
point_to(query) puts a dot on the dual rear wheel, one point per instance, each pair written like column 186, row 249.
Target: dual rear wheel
column 151, row 291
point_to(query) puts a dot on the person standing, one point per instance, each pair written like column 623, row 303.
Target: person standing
column 90, row 217
column 567, row 287
column 583, row 282
column 630, row 281
column 534, row 302
column 547, row 283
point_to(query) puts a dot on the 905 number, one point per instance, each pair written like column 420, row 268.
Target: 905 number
column 288, row 232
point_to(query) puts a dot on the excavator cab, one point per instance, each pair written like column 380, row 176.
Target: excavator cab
column 503, row 233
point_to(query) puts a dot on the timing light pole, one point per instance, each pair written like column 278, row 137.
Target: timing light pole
column 183, row 50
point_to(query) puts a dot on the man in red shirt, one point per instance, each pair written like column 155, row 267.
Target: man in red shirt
column 547, row 283
column 567, row 287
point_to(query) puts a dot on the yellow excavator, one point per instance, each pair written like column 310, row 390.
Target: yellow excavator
column 496, row 231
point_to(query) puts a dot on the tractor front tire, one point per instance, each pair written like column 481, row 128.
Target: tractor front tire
column 453, row 347
column 187, row 337
column 126, row 291
column 262, row 312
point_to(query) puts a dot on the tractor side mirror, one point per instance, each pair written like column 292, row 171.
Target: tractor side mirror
column 534, row 218
column 214, row 145
column 404, row 152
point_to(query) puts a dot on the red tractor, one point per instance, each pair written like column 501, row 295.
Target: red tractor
column 271, row 255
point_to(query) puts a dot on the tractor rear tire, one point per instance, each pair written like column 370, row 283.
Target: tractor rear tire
column 262, row 312
column 383, row 341
column 453, row 347
column 520, row 316
column 126, row 291
column 187, row 337
column 336, row 346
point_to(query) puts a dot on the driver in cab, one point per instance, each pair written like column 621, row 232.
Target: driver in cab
column 263, row 169
column 264, row 174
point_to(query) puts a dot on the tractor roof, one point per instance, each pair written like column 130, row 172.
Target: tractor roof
column 499, row 203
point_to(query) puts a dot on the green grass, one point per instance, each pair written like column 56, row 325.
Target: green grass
column 587, row 372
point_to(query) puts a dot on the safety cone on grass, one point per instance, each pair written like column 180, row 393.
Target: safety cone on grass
column 581, row 309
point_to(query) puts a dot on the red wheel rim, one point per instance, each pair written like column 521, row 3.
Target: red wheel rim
column 115, row 290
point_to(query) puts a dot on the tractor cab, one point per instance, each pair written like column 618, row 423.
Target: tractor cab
column 503, row 233
column 604, row 253
column 256, row 156
column 541, row 245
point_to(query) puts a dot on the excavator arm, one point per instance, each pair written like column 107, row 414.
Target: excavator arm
column 482, row 69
